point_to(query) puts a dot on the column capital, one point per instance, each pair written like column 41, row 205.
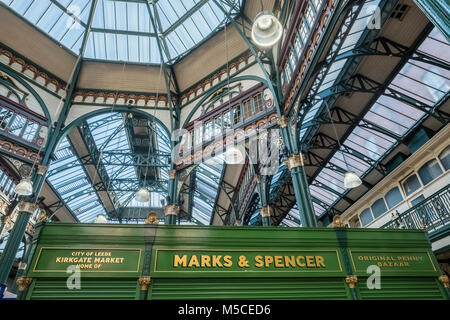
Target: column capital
column 351, row 281
column 172, row 174
column 171, row 209
column 41, row 170
column 27, row 207
column 337, row 222
column 42, row 216
column 282, row 122
column 22, row 266
column 294, row 161
column 266, row 211
column 23, row 282
column 445, row 281
column 258, row 178
column 144, row 282
column 152, row 218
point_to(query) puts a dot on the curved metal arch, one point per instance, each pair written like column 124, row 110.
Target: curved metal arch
column 224, row 94
column 14, row 74
column 117, row 109
column 11, row 89
column 213, row 89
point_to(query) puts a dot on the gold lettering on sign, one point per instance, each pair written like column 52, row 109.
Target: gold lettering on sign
column 391, row 261
column 267, row 261
column 90, row 259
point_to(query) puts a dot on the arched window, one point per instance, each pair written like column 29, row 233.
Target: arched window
column 445, row 158
column 430, row 171
column 378, row 208
column 411, row 184
column 393, row 197
column 366, row 217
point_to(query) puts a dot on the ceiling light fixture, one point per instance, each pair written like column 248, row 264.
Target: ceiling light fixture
column 233, row 155
column 266, row 30
column 101, row 218
column 24, row 187
column 351, row 180
column 142, row 195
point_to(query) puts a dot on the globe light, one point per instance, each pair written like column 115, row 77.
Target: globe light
column 142, row 195
column 101, row 218
column 234, row 156
column 351, row 180
column 266, row 30
column 24, row 187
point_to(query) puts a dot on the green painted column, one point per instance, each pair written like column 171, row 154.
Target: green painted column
column 171, row 213
column 22, row 268
column 172, row 209
column 2, row 223
column 144, row 283
column 295, row 165
column 26, row 209
column 438, row 12
column 301, row 190
column 266, row 211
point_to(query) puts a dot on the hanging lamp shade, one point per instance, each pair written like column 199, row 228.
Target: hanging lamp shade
column 24, row 187
column 234, row 156
column 142, row 195
column 101, row 218
column 266, row 30
column 351, row 180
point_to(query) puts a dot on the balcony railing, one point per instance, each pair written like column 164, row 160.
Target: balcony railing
column 431, row 214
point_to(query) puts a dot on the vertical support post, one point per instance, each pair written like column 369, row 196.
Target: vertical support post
column 295, row 165
column 26, row 209
column 438, row 12
column 22, row 267
column 266, row 211
column 171, row 213
column 171, row 210
column 144, row 282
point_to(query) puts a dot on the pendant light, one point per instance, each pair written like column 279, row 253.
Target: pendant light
column 142, row 195
column 24, row 187
column 233, row 155
column 351, row 180
column 266, row 30
column 101, row 218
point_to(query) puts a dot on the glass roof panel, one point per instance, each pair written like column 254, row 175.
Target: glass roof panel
column 207, row 180
column 73, row 185
column 389, row 119
column 123, row 30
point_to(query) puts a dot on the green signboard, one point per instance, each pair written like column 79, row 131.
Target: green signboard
column 393, row 261
column 56, row 259
column 246, row 261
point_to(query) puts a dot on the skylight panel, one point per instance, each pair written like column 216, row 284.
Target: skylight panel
column 123, row 30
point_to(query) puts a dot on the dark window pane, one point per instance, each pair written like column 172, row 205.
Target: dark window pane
column 417, row 200
column 365, row 217
column 393, row 197
column 411, row 184
column 430, row 171
column 379, row 207
column 445, row 158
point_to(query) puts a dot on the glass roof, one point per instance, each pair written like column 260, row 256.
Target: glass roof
column 390, row 119
column 126, row 30
column 114, row 140
column 208, row 176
